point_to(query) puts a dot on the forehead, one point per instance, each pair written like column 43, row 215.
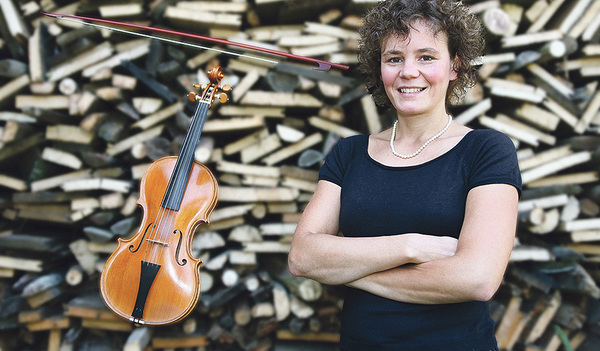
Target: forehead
column 421, row 34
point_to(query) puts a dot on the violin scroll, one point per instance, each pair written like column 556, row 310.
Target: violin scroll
column 213, row 89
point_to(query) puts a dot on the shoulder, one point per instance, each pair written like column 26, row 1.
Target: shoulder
column 493, row 158
column 490, row 141
column 342, row 154
column 351, row 144
column 489, row 136
column 354, row 140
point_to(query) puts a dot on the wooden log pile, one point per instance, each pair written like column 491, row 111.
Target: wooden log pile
column 84, row 111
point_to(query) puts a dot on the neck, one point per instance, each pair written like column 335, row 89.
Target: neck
column 427, row 142
column 418, row 128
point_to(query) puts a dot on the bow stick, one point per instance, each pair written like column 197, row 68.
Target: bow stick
column 323, row 65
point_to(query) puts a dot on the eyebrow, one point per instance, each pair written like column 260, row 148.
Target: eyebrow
column 422, row 50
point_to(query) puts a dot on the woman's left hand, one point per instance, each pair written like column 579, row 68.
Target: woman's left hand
column 427, row 248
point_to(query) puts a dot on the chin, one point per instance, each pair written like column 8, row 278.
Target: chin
column 409, row 112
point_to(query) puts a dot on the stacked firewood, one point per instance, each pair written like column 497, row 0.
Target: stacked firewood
column 84, row 111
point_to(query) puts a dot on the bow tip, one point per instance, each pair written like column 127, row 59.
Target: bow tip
column 50, row 14
column 323, row 66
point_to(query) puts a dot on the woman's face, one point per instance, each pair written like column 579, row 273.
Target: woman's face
column 416, row 71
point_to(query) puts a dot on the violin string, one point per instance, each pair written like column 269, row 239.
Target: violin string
column 182, row 43
column 179, row 189
column 159, row 226
column 155, row 235
column 166, row 224
column 169, row 226
column 188, row 150
column 163, row 226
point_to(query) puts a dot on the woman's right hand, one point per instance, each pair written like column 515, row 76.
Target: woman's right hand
column 426, row 248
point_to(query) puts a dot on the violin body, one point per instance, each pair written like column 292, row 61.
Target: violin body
column 152, row 278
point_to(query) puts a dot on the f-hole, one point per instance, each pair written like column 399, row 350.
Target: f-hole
column 184, row 261
column 141, row 241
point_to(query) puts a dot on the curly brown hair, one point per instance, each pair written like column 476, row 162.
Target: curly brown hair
column 462, row 28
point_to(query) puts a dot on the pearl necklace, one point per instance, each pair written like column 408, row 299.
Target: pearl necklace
column 422, row 146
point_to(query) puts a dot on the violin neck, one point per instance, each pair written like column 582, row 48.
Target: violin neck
column 180, row 176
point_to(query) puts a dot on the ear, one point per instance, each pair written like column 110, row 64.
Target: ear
column 455, row 65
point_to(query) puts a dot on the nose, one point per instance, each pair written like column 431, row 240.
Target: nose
column 409, row 70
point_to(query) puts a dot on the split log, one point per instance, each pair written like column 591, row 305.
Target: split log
column 265, row 98
column 293, row 149
column 138, row 340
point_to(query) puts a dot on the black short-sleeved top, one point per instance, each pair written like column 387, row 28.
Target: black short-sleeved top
column 430, row 199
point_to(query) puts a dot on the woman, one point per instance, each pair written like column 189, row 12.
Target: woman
column 428, row 207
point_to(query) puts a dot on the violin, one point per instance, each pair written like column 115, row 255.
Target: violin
column 152, row 278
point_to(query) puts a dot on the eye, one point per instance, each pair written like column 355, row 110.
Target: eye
column 394, row 59
column 427, row 58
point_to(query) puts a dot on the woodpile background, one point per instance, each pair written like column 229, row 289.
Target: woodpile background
column 84, row 111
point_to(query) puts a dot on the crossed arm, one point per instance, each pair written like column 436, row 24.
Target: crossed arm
column 445, row 270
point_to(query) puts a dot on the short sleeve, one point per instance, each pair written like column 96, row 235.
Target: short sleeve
column 336, row 161
column 496, row 162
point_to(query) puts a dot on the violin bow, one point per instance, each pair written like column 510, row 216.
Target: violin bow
column 102, row 23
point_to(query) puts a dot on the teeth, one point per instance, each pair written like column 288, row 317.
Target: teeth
column 411, row 90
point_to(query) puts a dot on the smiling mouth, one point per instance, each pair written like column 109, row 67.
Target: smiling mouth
column 410, row 90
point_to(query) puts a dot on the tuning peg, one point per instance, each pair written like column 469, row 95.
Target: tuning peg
column 198, row 86
column 192, row 96
column 223, row 98
column 224, row 95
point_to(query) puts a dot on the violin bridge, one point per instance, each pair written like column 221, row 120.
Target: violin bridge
column 158, row 242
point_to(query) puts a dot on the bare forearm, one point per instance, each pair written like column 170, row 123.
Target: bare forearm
column 338, row 260
column 449, row 280
column 318, row 254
